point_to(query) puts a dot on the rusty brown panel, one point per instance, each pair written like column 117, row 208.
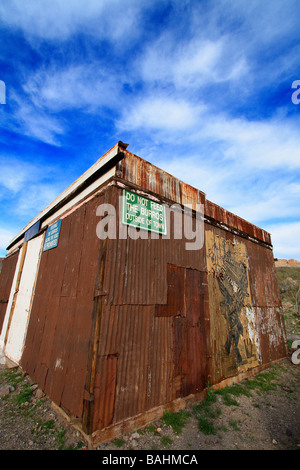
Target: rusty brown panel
column 175, row 305
column 209, row 209
column 271, row 332
column 78, row 353
column 151, row 178
column 191, row 336
column 57, row 342
column 105, row 390
column 161, row 383
column 45, row 308
column 59, row 362
column 6, row 279
column 262, row 274
column 72, row 265
column 136, row 270
column 188, row 296
column 223, row 216
column 39, row 339
column 231, row 219
column 131, row 334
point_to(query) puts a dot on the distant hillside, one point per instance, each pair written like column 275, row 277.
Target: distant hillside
column 286, row 262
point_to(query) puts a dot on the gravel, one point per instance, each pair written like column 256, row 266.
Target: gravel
column 266, row 420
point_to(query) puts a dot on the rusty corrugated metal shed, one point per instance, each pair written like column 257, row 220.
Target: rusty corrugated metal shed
column 122, row 329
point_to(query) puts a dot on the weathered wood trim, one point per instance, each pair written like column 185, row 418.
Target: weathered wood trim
column 22, row 261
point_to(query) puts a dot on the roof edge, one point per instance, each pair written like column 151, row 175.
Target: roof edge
column 101, row 166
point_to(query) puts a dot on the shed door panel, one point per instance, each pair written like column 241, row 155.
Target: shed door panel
column 21, row 312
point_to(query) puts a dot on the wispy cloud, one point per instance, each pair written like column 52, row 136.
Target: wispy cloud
column 5, row 237
column 285, row 239
column 57, row 20
column 190, row 64
column 161, row 113
column 265, row 144
column 26, row 187
column 86, row 86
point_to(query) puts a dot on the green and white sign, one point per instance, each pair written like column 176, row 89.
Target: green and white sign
column 141, row 212
column 52, row 236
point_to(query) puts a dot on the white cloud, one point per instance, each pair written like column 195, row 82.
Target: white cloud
column 272, row 201
column 192, row 63
column 38, row 124
column 37, row 198
column 12, row 179
column 5, row 237
column 238, row 189
column 160, row 113
column 59, row 20
column 82, row 86
column 264, row 144
column 285, row 239
column 27, row 188
column 24, row 118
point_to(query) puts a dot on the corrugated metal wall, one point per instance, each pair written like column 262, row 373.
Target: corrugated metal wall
column 6, row 278
column 59, row 331
column 154, row 334
column 164, row 328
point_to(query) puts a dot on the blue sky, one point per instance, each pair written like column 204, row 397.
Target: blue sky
column 201, row 89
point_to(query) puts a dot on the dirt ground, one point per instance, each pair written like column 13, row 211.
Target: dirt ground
column 267, row 420
column 262, row 413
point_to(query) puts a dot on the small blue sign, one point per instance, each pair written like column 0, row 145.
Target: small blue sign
column 52, row 236
column 32, row 231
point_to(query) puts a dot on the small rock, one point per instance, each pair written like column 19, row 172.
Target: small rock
column 274, row 442
column 39, row 393
column 6, row 390
column 135, row 435
column 158, row 429
column 134, row 443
